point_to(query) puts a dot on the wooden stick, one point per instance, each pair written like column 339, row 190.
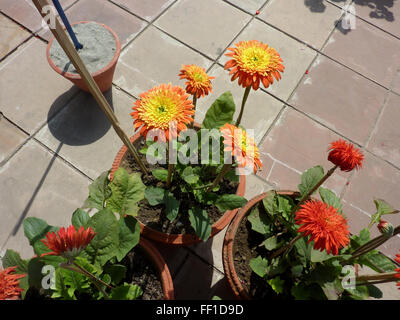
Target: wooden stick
column 64, row 41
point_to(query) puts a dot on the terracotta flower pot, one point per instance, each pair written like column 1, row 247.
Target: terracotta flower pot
column 102, row 77
column 179, row 239
column 228, row 246
column 161, row 267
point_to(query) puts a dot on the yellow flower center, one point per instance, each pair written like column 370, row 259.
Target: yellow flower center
column 160, row 108
column 255, row 59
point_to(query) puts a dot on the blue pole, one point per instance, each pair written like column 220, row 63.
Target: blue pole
column 67, row 24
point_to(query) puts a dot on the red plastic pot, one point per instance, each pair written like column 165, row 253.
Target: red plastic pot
column 161, row 267
column 102, row 77
column 228, row 246
column 179, row 239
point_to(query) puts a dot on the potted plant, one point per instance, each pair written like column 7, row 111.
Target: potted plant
column 99, row 256
column 100, row 53
column 286, row 245
column 187, row 201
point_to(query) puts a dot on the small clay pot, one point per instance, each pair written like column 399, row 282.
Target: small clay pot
column 102, row 77
column 161, row 267
column 228, row 245
column 179, row 239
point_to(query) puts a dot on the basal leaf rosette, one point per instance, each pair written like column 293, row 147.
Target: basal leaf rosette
column 9, row 284
column 254, row 62
column 325, row 226
column 242, row 147
column 198, row 81
column 68, row 243
column 161, row 107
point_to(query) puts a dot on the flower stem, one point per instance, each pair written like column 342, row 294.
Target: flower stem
column 170, row 173
column 245, row 96
column 285, row 248
column 220, row 176
column 309, row 193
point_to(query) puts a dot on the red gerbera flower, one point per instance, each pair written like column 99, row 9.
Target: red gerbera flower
column 345, row 155
column 398, row 269
column 68, row 243
column 324, row 224
column 9, row 284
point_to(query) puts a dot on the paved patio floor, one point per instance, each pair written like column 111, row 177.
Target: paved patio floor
column 338, row 83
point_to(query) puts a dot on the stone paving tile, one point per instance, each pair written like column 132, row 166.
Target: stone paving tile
column 336, row 96
column 11, row 138
column 260, row 111
column 367, row 50
column 384, row 14
column 194, row 280
column 396, row 83
column 295, row 144
column 34, row 183
column 312, row 27
column 207, row 30
column 82, row 134
column 358, row 220
column 12, row 35
column 147, row 10
column 25, row 100
column 376, row 180
column 25, row 12
column 385, row 141
column 124, row 24
column 250, row 6
column 151, row 59
column 296, row 56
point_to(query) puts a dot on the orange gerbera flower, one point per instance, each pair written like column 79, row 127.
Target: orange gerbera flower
column 345, row 155
column 242, row 146
column 198, row 81
column 252, row 62
column 68, row 243
column 324, row 224
column 161, row 107
column 9, row 284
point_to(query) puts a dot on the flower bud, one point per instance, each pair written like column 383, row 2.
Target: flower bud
column 385, row 228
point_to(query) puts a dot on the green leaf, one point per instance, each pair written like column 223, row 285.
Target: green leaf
column 190, row 176
column 230, row 202
column 99, row 192
column 301, row 291
column 363, row 238
column 216, row 298
column 319, row 256
column 332, row 289
column 377, row 261
column 310, row 178
column 13, row 259
column 270, row 202
column 154, row 196
column 220, row 112
column 232, row 176
column 127, row 191
column 171, row 206
column 160, row 174
column 259, row 266
column 200, row 222
column 382, row 208
column 359, row 292
column 285, row 206
column 36, row 229
column 126, row 292
column 117, row 272
column 277, row 284
column 374, row 292
column 104, row 245
column 80, row 218
column 303, row 251
column 297, row 270
column 129, row 235
column 330, row 198
column 259, row 222
column 61, row 290
column 271, row 243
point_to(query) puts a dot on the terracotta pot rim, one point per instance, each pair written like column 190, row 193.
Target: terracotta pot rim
column 162, row 268
column 229, row 239
column 73, row 76
column 179, row 239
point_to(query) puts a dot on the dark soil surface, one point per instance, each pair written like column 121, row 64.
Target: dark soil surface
column 246, row 247
column 140, row 271
column 154, row 216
